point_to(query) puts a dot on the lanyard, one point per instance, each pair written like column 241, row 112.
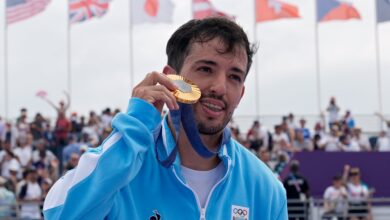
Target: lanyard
column 185, row 116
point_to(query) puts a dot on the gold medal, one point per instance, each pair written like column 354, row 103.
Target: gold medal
column 186, row 92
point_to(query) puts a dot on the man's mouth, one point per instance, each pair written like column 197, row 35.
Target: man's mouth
column 212, row 107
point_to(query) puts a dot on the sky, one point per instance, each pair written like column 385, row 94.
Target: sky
column 283, row 78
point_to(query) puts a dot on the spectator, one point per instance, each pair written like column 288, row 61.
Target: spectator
column 43, row 157
column 7, row 201
column 2, row 130
column 290, row 122
column 62, row 107
column 73, row 161
column 387, row 122
column 348, row 120
column 358, row 194
column 360, row 140
column 383, row 142
column 333, row 111
column 30, row 195
column 331, row 142
column 335, row 200
column 264, row 155
column 72, row 148
column 305, row 131
column 106, row 118
column 23, row 127
column 345, row 144
column 37, row 127
column 257, row 136
column 300, row 143
column 297, row 189
column 24, row 151
column 281, row 141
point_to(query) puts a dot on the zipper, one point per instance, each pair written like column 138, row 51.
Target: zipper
column 203, row 214
column 215, row 186
column 202, row 211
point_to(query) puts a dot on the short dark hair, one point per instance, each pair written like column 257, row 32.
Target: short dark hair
column 204, row 30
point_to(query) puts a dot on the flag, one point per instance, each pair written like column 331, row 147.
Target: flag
column 81, row 10
column 18, row 10
column 267, row 10
column 41, row 93
column 153, row 11
column 383, row 10
column 328, row 10
column 203, row 9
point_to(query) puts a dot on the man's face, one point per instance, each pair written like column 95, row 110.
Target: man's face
column 220, row 78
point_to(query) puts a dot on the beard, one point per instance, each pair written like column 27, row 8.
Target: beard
column 204, row 126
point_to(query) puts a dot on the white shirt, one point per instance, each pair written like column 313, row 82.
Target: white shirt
column 357, row 193
column 201, row 182
column 32, row 210
column 383, row 144
column 24, row 154
column 335, row 196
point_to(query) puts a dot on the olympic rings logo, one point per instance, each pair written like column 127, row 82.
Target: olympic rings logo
column 240, row 212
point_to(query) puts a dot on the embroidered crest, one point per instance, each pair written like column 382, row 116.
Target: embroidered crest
column 240, row 213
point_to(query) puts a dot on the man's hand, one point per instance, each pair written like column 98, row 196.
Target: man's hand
column 156, row 88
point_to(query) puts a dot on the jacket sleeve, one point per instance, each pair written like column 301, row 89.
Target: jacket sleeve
column 88, row 191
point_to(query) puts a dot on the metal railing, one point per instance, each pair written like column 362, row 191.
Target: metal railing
column 312, row 209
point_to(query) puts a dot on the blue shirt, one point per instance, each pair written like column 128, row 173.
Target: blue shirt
column 122, row 179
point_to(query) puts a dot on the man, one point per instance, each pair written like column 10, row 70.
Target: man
column 335, row 199
column 297, row 189
column 30, row 196
column 123, row 179
column 8, row 201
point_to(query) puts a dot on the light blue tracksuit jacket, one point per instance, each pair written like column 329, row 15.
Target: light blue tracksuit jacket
column 122, row 179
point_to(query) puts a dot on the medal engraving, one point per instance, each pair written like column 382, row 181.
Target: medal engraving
column 183, row 86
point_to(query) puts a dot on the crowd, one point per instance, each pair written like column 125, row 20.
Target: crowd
column 34, row 154
column 341, row 133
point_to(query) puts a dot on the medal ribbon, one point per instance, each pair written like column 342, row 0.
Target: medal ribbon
column 185, row 116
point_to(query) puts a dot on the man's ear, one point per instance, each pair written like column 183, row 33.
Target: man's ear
column 169, row 70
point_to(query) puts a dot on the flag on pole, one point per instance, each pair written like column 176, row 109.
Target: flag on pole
column 81, row 10
column 267, row 10
column 153, row 11
column 328, row 10
column 203, row 9
column 18, row 10
column 382, row 10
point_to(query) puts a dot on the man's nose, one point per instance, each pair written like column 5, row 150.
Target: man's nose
column 219, row 84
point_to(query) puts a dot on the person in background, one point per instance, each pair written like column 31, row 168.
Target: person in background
column 62, row 107
column 7, row 201
column 383, row 142
column 333, row 112
column 298, row 193
column 30, row 196
column 335, row 200
column 360, row 139
column 358, row 194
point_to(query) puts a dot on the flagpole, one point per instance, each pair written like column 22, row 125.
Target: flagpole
column 257, row 92
column 131, row 69
column 378, row 68
column 5, row 62
column 317, row 54
column 69, row 61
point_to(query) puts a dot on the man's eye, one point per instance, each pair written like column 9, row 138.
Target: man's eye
column 205, row 69
column 237, row 78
